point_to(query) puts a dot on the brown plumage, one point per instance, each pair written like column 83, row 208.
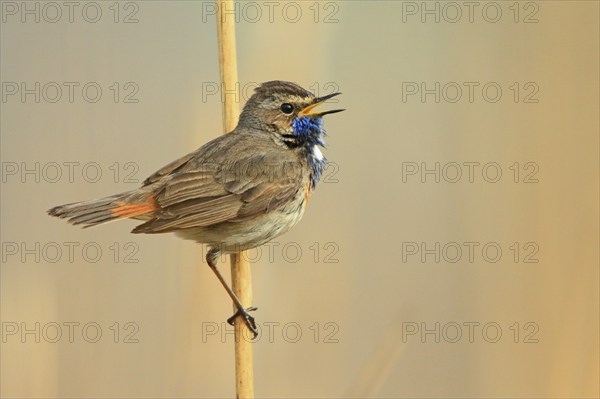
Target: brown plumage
column 236, row 192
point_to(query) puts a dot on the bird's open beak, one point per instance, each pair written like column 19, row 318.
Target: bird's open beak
column 307, row 111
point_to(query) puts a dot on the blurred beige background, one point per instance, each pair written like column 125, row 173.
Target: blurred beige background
column 366, row 325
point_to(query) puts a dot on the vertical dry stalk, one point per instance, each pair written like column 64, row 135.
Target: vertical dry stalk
column 240, row 268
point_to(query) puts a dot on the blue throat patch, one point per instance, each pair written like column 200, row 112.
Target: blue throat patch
column 310, row 132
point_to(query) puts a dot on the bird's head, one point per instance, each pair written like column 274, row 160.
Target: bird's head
column 286, row 109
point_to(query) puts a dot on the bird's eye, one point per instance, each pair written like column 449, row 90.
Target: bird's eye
column 287, row 108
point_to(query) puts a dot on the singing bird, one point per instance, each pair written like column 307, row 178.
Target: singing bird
column 237, row 191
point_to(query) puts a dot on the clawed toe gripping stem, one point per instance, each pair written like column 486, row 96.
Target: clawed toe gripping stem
column 211, row 258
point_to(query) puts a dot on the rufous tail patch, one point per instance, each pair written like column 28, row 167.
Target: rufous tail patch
column 131, row 210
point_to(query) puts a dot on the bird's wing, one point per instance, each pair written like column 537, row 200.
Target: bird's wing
column 168, row 169
column 228, row 181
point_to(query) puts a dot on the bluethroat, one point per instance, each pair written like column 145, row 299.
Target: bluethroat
column 237, row 191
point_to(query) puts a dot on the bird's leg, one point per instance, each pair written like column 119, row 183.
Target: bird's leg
column 211, row 259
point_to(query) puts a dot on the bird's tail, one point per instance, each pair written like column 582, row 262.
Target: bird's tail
column 91, row 213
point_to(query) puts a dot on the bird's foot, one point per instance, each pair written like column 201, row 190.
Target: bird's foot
column 248, row 319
